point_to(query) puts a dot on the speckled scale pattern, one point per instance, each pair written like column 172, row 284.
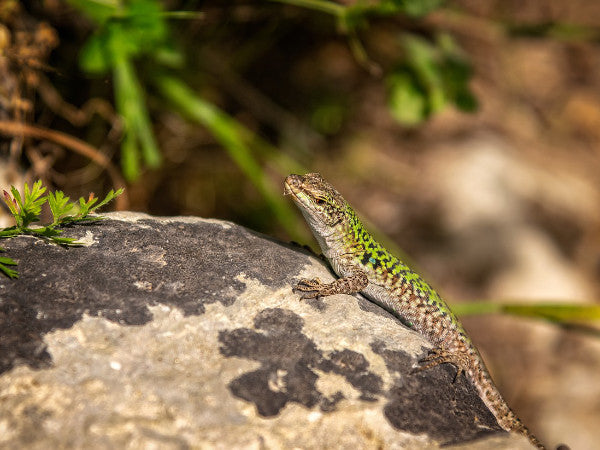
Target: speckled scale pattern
column 413, row 298
column 365, row 265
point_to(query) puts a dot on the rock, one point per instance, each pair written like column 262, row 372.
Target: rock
column 185, row 333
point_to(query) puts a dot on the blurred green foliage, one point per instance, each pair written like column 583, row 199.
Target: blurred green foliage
column 238, row 141
column 131, row 41
column 126, row 30
column 430, row 76
column 411, row 8
column 575, row 317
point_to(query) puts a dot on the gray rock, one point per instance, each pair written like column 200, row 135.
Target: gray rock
column 185, row 333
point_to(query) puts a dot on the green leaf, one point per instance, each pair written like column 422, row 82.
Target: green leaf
column 130, row 158
column 8, row 271
column 17, row 198
column 555, row 312
column 59, row 206
column 90, row 206
column 6, row 261
column 109, row 197
column 432, row 75
column 84, row 207
column 415, row 87
column 358, row 13
column 10, row 232
column 65, row 241
column 93, row 57
column 406, row 99
column 416, row 8
column 54, row 235
column 131, row 105
column 47, row 231
column 30, row 205
column 126, row 30
column 33, row 197
column 145, row 24
column 12, row 206
column 98, row 11
column 422, row 57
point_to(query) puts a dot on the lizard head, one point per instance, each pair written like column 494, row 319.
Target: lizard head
column 322, row 206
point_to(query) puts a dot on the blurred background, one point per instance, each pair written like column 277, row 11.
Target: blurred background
column 466, row 133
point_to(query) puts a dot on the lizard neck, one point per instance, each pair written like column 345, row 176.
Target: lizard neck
column 344, row 244
column 338, row 239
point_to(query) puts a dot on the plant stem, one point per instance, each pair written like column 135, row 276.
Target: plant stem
column 317, row 5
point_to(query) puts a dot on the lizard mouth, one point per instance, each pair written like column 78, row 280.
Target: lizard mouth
column 292, row 185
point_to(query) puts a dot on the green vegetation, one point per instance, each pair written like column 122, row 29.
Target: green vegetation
column 26, row 210
column 127, row 30
column 432, row 75
column 133, row 38
column 571, row 316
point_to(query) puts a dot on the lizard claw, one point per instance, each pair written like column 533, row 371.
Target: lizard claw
column 309, row 288
column 439, row 356
column 347, row 285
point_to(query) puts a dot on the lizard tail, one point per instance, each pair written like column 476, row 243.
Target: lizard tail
column 492, row 398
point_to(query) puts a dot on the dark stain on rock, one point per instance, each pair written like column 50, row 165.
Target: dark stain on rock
column 132, row 266
column 430, row 402
column 354, row 367
column 288, row 361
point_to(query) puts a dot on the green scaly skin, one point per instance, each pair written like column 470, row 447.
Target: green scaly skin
column 365, row 266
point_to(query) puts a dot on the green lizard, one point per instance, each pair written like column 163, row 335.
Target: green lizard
column 363, row 265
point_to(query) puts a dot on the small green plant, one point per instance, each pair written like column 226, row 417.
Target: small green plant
column 26, row 210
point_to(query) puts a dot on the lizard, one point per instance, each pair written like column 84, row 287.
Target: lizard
column 363, row 265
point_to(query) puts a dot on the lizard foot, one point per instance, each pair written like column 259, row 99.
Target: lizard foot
column 310, row 288
column 439, row 356
column 346, row 285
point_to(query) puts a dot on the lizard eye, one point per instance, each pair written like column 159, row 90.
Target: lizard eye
column 319, row 201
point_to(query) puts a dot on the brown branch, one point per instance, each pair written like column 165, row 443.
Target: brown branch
column 77, row 117
column 17, row 129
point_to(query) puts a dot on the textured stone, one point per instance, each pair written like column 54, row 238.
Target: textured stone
column 185, row 333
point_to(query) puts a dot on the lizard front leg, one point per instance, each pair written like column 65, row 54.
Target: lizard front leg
column 346, row 285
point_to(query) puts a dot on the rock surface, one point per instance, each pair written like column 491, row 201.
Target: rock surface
column 185, row 333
